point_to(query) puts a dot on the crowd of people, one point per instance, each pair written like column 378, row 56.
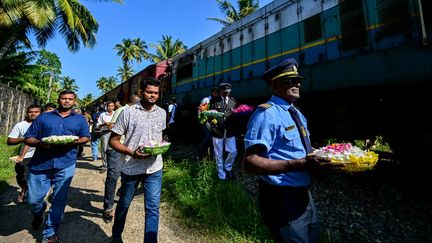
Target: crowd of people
column 276, row 149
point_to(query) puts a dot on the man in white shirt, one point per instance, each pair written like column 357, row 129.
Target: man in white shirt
column 114, row 163
column 16, row 136
column 104, row 122
column 172, row 108
column 206, row 143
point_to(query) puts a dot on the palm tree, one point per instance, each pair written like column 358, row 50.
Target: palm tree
column 87, row 100
column 125, row 72
column 111, row 83
column 130, row 50
column 167, row 49
column 141, row 49
column 245, row 7
column 69, row 83
column 101, row 83
column 45, row 17
column 106, row 84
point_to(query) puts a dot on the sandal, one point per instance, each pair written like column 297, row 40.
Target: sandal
column 108, row 215
column 20, row 197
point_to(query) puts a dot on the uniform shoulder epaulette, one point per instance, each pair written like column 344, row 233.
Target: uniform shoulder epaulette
column 265, row 105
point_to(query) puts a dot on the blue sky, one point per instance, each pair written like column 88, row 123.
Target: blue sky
column 147, row 19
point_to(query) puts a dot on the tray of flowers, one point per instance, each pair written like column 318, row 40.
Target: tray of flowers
column 63, row 139
column 354, row 158
column 155, row 148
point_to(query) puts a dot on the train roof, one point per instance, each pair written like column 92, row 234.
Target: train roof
column 236, row 26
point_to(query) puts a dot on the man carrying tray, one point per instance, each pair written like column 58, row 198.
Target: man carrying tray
column 141, row 124
column 277, row 148
column 53, row 165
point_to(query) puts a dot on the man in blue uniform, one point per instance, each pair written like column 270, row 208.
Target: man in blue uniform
column 277, row 147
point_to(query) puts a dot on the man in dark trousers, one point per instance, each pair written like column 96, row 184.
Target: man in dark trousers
column 223, row 131
column 277, row 147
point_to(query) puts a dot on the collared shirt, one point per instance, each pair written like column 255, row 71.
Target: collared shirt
column 52, row 123
column 139, row 126
column 172, row 109
column 18, row 131
column 276, row 130
column 104, row 118
column 117, row 113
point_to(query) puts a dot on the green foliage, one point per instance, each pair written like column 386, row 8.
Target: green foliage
column 7, row 171
column 202, row 200
column 68, row 83
column 167, row 49
column 244, row 8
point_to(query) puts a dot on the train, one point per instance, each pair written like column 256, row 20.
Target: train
column 367, row 66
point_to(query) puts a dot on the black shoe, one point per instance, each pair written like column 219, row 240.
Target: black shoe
column 102, row 170
column 37, row 222
column 229, row 174
column 116, row 240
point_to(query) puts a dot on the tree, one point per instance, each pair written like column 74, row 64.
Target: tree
column 106, row 84
column 131, row 50
column 69, row 83
column 111, row 83
column 101, row 83
column 45, row 17
column 125, row 72
column 87, row 100
column 51, row 67
column 245, row 7
column 167, row 49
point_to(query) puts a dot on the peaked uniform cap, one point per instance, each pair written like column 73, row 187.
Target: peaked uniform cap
column 283, row 71
column 225, row 87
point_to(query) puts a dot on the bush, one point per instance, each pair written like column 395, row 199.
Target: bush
column 7, row 171
column 202, row 200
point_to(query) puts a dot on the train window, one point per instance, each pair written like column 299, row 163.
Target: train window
column 312, row 28
column 393, row 17
column 185, row 71
column 353, row 24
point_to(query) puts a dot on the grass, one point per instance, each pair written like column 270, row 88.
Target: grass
column 222, row 208
column 7, row 171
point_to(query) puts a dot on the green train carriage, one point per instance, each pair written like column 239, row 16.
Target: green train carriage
column 367, row 65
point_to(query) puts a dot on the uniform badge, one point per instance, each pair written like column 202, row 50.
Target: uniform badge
column 290, row 128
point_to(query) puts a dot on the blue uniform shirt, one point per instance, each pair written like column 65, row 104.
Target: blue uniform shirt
column 276, row 130
column 52, row 123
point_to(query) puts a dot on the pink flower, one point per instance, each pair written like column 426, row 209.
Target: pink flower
column 243, row 109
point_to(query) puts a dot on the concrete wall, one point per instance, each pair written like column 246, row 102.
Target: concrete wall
column 13, row 104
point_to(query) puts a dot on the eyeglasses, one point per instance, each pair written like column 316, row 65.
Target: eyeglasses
column 291, row 81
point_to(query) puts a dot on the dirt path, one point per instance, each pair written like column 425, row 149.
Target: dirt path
column 82, row 220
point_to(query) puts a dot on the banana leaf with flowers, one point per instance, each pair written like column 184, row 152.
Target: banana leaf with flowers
column 206, row 114
column 354, row 158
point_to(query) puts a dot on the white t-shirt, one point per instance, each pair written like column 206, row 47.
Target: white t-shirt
column 18, row 131
column 172, row 109
column 104, row 118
